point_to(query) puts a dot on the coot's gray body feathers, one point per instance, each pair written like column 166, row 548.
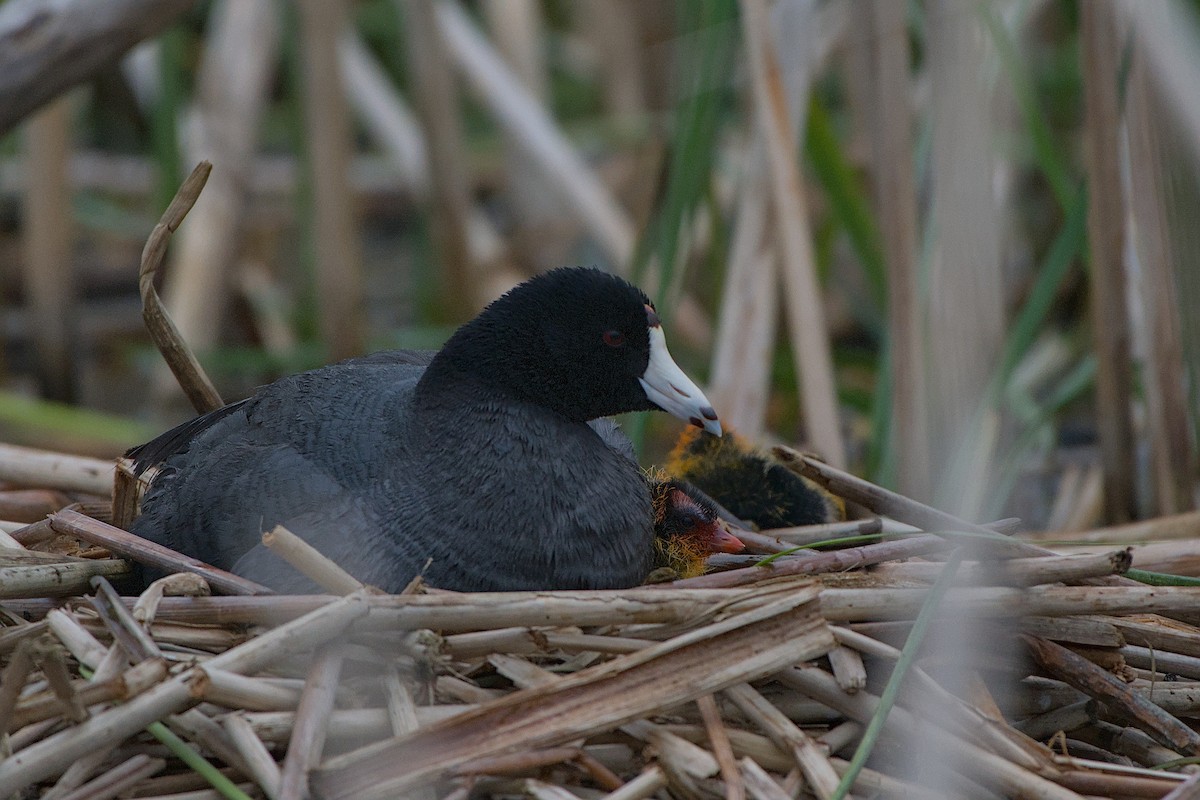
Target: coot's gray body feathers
column 478, row 471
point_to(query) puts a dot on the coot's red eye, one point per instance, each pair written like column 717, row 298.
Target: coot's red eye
column 614, row 338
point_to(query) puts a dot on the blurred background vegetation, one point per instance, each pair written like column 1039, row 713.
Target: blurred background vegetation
column 949, row 244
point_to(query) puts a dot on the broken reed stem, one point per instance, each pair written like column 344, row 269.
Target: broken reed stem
column 71, row 523
column 312, row 718
column 166, row 337
column 718, row 737
column 311, row 562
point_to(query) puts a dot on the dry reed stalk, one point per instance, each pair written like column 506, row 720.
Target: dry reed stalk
column 437, row 99
column 759, row 783
column 965, row 327
column 57, row 580
column 889, row 112
column 234, row 77
column 120, row 623
column 814, row 564
column 1179, row 526
column 718, row 738
column 1176, row 558
column 613, row 33
column 71, row 523
column 1165, row 34
column 1092, row 784
column 26, row 466
column 32, row 534
column 1109, row 690
column 199, row 638
column 166, row 336
column 848, row 668
column 1161, row 663
column 177, row 583
column 25, row 506
column 888, row 503
column 645, row 785
column 395, row 130
column 865, row 605
column 811, row 534
column 990, row 769
column 457, row 613
column 1016, row 571
column 48, row 266
column 519, row 762
column 740, row 648
column 311, row 722
column 336, row 237
column 54, row 670
column 749, row 309
column 1100, row 45
column 131, row 682
column 309, row 561
column 1132, row 743
column 119, row 779
column 1094, row 631
column 235, row 692
column 365, row 724
column 818, row 772
column 743, row 742
column 82, row 644
column 1172, row 453
column 518, row 31
column 995, row 736
column 14, row 677
column 1165, row 634
column 531, row 127
column 196, row 726
column 46, row 49
column 1188, row 790
column 259, row 760
column 802, row 290
column 389, row 122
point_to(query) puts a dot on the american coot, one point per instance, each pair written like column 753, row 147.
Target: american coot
column 750, row 483
column 476, row 468
column 687, row 530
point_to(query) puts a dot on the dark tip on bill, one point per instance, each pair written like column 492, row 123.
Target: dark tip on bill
column 697, row 422
column 709, row 413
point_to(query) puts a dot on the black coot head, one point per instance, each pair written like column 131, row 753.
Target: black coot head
column 582, row 342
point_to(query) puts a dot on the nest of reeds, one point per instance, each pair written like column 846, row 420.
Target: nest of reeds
column 908, row 654
column 1014, row 671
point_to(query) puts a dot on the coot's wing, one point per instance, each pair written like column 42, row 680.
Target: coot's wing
column 178, row 439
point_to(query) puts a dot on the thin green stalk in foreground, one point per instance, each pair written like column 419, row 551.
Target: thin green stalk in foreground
column 892, row 690
column 202, row 767
column 188, row 755
column 1161, row 578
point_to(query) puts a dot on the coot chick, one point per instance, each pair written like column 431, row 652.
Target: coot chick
column 751, row 484
column 687, row 530
column 475, row 468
